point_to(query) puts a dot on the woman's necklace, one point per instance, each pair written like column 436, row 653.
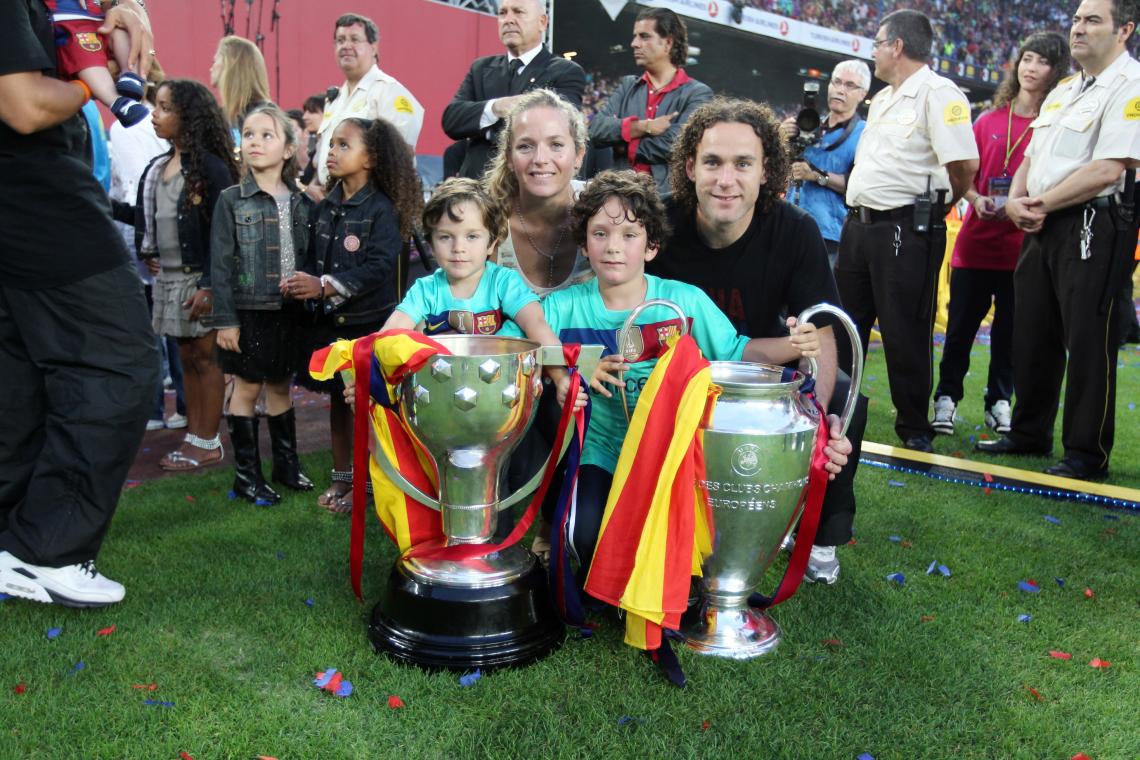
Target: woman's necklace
column 557, row 243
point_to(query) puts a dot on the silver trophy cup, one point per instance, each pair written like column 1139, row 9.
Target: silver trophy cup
column 758, row 451
column 469, row 410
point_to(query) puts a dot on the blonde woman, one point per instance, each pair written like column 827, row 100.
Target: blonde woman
column 238, row 74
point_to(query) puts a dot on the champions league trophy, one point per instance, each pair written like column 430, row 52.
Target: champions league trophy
column 758, row 451
column 469, row 410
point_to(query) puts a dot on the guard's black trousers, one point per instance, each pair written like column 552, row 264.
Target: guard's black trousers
column 889, row 272
column 78, row 368
column 1067, row 304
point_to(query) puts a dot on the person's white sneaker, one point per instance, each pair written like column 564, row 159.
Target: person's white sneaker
column 822, row 566
column 943, row 422
column 999, row 416
column 176, row 421
column 78, row 585
column 155, row 424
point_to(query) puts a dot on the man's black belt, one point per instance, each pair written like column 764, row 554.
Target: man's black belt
column 1101, row 203
column 871, row 216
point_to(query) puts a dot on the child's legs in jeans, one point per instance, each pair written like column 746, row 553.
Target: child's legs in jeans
column 586, row 520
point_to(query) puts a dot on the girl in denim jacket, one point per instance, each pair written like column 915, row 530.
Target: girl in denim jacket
column 349, row 277
column 260, row 229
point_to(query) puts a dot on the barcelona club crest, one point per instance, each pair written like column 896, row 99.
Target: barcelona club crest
column 89, row 41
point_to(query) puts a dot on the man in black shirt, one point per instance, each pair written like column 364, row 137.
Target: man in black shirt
column 761, row 260
column 77, row 355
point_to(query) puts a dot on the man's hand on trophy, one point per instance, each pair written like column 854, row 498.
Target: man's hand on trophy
column 837, row 449
column 804, row 337
column 563, row 384
column 607, row 372
column 350, row 392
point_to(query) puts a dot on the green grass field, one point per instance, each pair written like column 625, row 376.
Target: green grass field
column 216, row 618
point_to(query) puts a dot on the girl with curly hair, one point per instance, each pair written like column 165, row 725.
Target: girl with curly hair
column 175, row 207
column 348, row 279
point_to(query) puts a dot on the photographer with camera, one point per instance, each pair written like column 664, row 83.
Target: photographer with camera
column 824, row 150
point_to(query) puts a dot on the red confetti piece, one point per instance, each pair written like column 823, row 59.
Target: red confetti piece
column 927, row 618
column 106, row 631
column 190, row 498
column 832, row 642
column 984, row 436
column 851, row 542
column 147, row 686
column 185, row 756
column 1060, row 655
column 20, row 688
column 1036, row 693
column 989, row 479
column 265, row 757
column 1096, row 662
column 704, row 725
column 1089, row 593
column 1081, row 756
column 395, row 702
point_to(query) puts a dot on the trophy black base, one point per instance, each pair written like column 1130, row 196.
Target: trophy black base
column 461, row 628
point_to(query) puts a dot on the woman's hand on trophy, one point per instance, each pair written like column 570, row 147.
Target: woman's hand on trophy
column 607, row 372
column 804, row 337
column 837, row 449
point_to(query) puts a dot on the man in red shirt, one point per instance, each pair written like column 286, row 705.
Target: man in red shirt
column 644, row 114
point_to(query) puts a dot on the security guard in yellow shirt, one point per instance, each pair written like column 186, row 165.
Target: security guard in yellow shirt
column 917, row 156
column 1075, row 196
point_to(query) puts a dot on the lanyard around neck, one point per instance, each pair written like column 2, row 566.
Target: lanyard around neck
column 1009, row 149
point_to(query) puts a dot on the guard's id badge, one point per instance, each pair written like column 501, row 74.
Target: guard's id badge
column 999, row 190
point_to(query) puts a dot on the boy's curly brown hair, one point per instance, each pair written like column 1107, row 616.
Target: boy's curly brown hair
column 732, row 111
column 638, row 196
column 450, row 194
column 393, row 170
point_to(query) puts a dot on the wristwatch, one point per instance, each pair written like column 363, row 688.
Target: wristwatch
column 822, row 179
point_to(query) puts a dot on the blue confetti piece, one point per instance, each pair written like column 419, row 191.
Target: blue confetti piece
column 231, row 496
column 895, row 539
column 77, row 667
column 933, row 566
column 1031, row 588
column 345, row 689
column 896, row 484
column 866, row 756
column 308, row 602
column 1024, row 618
column 323, row 679
column 898, row 578
column 1132, row 407
column 1054, row 520
column 53, row 633
column 944, row 570
column 263, row 503
column 585, row 633
column 1060, row 582
column 973, row 438
column 470, row 678
column 627, row 720
column 157, row 703
column 280, row 555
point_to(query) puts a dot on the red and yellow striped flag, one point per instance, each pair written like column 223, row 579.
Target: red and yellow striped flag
column 656, row 529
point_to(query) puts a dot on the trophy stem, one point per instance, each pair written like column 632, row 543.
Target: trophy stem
column 727, row 627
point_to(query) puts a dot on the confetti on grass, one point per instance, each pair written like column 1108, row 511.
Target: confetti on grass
column 146, row 686
column 470, row 678
column 20, row 688
column 334, row 683
column 1054, row 520
column 157, row 703
column 898, row 578
column 1060, row 582
column 53, row 633
column 926, row 618
column 105, row 631
column 945, row 571
column 394, row 702
column 1036, row 694
column 1096, row 662
column 1089, row 593
column 627, row 720
column 896, row 484
column 1024, row 618
column 1029, row 586
column 866, row 756
column 1060, row 655
column 894, row 539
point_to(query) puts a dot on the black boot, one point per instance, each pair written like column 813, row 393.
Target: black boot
column 249, row 483
column 286, row 467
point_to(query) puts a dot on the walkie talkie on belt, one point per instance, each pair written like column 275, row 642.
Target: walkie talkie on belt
column 922, row 208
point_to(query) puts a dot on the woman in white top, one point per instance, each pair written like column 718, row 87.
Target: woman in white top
column 541, row 148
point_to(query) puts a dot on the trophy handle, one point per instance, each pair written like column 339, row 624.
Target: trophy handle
column 399, row 480
column 856, row 355
column 633, row 315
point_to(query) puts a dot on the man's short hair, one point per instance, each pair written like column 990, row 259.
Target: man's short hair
column 857, row 69
column 371, row 31
column 670, row 25
column 1125, row 11
column 314, row 104
column 731, row 111
column 914, row 29
column 638, row 195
